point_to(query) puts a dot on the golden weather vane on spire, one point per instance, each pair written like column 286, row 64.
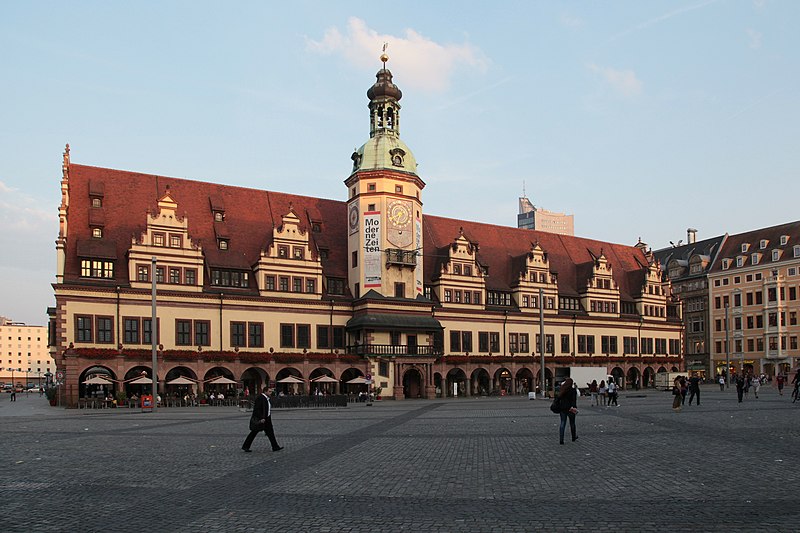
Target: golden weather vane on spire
column 384, row 57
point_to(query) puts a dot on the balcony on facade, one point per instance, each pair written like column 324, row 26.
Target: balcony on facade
column 394, row 349
column 401, row 258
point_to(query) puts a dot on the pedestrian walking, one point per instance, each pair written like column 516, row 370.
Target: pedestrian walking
column 13, row 394
column 602, row 391
column 684, row 388
column 612, row 393
column 677, row 399
column 593, row 392
column 568, row 399
column 722, row 384
column 780, row 381
column 740, row 381
column 694, row 389
column 261, row 420
column 756, row 384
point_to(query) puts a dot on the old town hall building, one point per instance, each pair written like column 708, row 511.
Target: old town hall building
column 259, row 286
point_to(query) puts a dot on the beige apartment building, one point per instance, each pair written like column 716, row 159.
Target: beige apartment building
column 24, row 355
column 755, row 283
column 308, row 294
column 532, row 217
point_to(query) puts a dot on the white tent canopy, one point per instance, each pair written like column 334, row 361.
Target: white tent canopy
column 325, row 379
column 357, row 381
column 221, row 380
column 142, row 381
column 290, row 379
column 181, row 381
column 97, row 380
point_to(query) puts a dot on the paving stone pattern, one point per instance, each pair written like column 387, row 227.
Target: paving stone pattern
column 463, row 465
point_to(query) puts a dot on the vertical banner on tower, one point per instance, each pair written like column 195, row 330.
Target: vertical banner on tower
column 372, row 250
column 418, row 246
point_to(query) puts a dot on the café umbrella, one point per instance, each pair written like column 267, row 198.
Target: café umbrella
column 357, row 381
column 290, row 379
column 97, row 380
column 221, row 380
column 325, row 379
column 181, row 381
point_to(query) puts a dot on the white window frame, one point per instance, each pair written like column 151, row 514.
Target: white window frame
column 754, row 258
column 776, row 255
column 763, row 244
column 740, row 261
column 745, row 246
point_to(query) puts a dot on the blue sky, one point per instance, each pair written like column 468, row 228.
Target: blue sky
column 640, row 118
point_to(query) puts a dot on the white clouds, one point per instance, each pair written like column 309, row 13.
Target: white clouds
column 425, row 64
column 755, row 38
column 570, row 21
column 624, row 82
column 20, row 212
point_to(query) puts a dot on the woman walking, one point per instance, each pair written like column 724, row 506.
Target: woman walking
column 568, row 397
column 677, row 397
column 602, row 390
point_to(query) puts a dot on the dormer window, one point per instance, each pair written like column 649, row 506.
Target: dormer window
column 745, row 247
column 297, row 252
column 754, row 258
column 725, row 264
column 283, row 251
column 740, row 261
column 467, row 270
column 316, row 227
column 397, row 161
column 763, row 244
column 219, row 216
column 784, row 240
column 776, row 255
column 223, row 244
column 797, row 250
column 175, row 241
column 97, row 233
column 97, row 202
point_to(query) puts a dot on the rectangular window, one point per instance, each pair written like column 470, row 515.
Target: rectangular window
column 483, row 341
column 335, row 286
column 737, row 300
column 395, row 338
column 269, row 283
column 283, row 284
column 565, row 344
column 237, row 334
column 105, row 332
column 183, row 332
column 759, row 321
column 303, row 336
column 467, row 297
column 191, row 276
column 476, row 298
column 297, row 252
column 494, row 342
column 283, row 251
column 399, row 290
column 759, row 298
column 255, row 331
column 175, row 275
column 513, row 343
column 339, row 336
column 323, row 337
column 311, row 285
column 143, row 273
column 130, row 330
column 297, row 284
column 159, row 274
column 466, row 341
column 287, row 335
column 448, row 295
column 202, row 333
column 83, row 329
column 524, row 346
column 455, row 341
column 147, row 330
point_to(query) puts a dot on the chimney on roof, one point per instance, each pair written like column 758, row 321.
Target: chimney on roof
column 691, row 236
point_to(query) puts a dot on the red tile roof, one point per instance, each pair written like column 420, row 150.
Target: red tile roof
column 251, row 214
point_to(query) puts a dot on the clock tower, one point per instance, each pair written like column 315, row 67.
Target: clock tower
column 384, row 208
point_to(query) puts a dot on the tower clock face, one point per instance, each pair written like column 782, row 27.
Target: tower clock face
column 353, row 218
column 399, row 214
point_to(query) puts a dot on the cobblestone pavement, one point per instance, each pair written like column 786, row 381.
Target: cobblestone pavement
column 463, row 465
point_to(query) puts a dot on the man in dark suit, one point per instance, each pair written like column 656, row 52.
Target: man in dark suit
column 262, row 416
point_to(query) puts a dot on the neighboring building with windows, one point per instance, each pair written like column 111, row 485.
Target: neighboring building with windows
column 24, row 355
column 532, row 217
column 686, row 267
column 757, row 277
column 261, row 287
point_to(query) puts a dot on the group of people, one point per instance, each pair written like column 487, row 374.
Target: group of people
column 602, row 392
column 681, row 386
